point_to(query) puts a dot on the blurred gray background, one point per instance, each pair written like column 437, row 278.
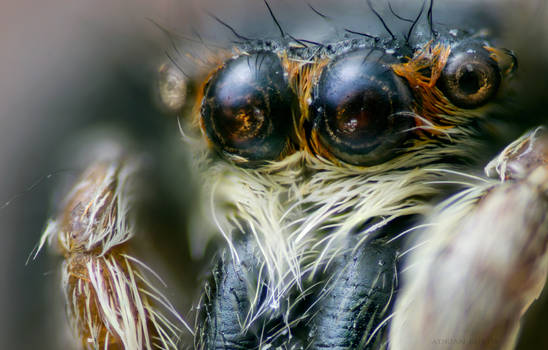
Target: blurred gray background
column 66, row 66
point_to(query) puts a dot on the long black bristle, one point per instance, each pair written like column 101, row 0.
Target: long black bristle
column 361, row 34
column 397, row 15
column 275, row 19
column 317, row 12
column 414, row 23
column 176, row 64
column 430, row 20
column 241, row 37
column 381, row 19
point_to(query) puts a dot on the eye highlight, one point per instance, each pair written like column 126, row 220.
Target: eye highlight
column 246, row 107
column 360, row 110
column 471, row 77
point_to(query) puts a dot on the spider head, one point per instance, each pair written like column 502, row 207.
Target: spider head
column 307, row 148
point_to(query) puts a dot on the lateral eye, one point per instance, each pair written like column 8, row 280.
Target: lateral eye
column 246, row 108
column 361, row 110
column 471, row 78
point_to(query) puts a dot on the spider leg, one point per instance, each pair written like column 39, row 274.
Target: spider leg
column 485, row 259
column 112, row 298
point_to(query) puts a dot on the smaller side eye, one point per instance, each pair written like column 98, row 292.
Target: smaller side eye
column 172, row 87
column 246, row 109
column 471, row 78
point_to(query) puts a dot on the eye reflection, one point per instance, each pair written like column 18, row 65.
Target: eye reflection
column 471, row 78
column 246, row 108
column 356, row 109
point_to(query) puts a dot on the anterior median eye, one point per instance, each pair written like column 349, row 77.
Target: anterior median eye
column 361, row 110
column 471, row 77
column 246, row 110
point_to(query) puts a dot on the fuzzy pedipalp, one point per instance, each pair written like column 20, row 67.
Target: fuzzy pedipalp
column 111, row 303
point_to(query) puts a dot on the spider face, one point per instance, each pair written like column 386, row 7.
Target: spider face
column 315, row 161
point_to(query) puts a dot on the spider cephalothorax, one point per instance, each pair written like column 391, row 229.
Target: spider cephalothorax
column 318, row 158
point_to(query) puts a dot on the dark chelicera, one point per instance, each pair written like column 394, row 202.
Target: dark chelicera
column 226, row 304
column 471, row 78
column 247, row 107
column 354, row 111
column 361, row 108
column 356, row 301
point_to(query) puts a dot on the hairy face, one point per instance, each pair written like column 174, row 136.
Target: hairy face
column 311, row 153
column 302, row 161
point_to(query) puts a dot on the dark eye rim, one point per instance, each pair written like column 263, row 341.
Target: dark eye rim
column 470, row 67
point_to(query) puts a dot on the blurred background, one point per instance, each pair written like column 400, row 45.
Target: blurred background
column 70, row 66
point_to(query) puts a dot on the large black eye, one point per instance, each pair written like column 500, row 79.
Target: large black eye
column 246, row 110
column 361, row 109
column 471, row 77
